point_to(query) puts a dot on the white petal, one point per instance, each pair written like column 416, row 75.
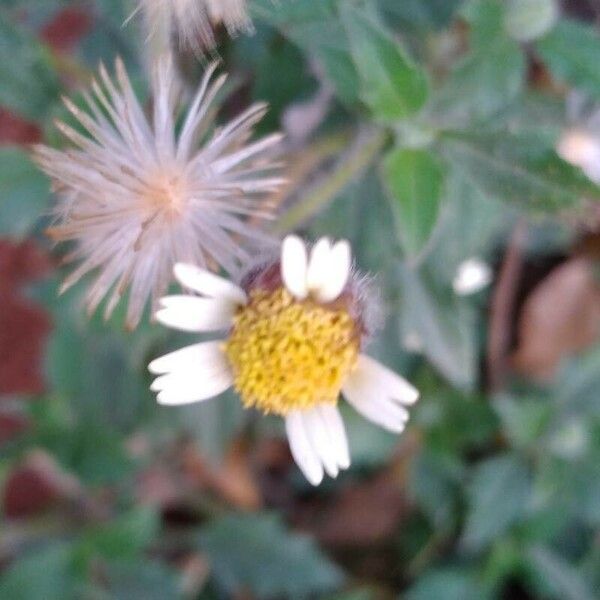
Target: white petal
column 183, row 392
column 187, row 379
column 190, row 357
column 208, row 284
column 397, row 387
column 337, row 432
column 320, row 439
column 301, row 448
column 318, row 264
column 190, row 313
column 340, row 264
column 379, row 394
column 373, row 406
column 187, row 372
column 294, row 264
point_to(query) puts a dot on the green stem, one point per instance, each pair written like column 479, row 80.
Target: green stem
column 366, row 148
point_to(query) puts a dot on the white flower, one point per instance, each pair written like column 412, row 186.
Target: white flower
column 193, row 20
column 472, row 276
column 579, row 143
column 136, row 197
column 295, row 329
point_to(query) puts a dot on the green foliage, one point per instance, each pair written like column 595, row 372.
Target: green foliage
column 125, row 537
column 570, row 50
column 516, row 168
column 23, row 193
column 28, row 81
column 444, row 324
column 391, row 85
column 142, row 580
column 46, row 572
column 561, row 578
column 257, row 553
column 451, row 584
column 315, row 28
column 488, row 78
column 504, row 477
column 431, row 131
column 415, row 180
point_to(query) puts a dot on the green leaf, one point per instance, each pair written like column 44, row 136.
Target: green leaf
column 315, row 28
column 97, row 372
column 445, row 325
column 565, row 581
column 449, row 584
column 256, row 553
column 421, row 14
column 125, row 537
column 358, row 594
column 470, row 226
column 94, row 453
column 577, row 386
column 483, row 84
column 24, row 193
column 485, row 19
column 391, row 85
column 273, row 82
column 498, row 497
column 46, row 573
column 571, row 53
column 524, row 419
column 433, row 484
column 415, row 179
column 523, row 169
column 487, row 80
column 142, row 580
column 28, row 82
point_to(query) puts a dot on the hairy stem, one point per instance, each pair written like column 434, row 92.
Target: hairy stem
column 365, row 148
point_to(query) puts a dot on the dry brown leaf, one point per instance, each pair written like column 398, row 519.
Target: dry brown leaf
column 233, row 481
column 559, row 318
column 362, row 514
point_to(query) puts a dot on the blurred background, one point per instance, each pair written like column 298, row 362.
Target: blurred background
column 456, row 145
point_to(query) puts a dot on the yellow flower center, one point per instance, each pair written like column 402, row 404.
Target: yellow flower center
column 288, row 354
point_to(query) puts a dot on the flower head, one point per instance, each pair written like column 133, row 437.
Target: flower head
column 296, row 327
column 193, row 20
column 136, row 197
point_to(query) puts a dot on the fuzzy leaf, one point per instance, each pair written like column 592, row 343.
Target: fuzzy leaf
column 571, row 52
column 506, row 477
column 391, row 85
column 523, row 169
column 255, row 552
column 415, row 179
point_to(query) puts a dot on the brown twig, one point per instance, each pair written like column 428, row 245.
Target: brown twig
column 503, row 306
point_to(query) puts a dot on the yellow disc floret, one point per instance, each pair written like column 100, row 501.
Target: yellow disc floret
column 288, row 354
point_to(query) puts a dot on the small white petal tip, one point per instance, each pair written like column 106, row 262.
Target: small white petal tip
column 338, row 268
column 472, row 276
column 208, row 284
column 294, row 265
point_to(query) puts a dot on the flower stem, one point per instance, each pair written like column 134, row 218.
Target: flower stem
column 365, row 148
